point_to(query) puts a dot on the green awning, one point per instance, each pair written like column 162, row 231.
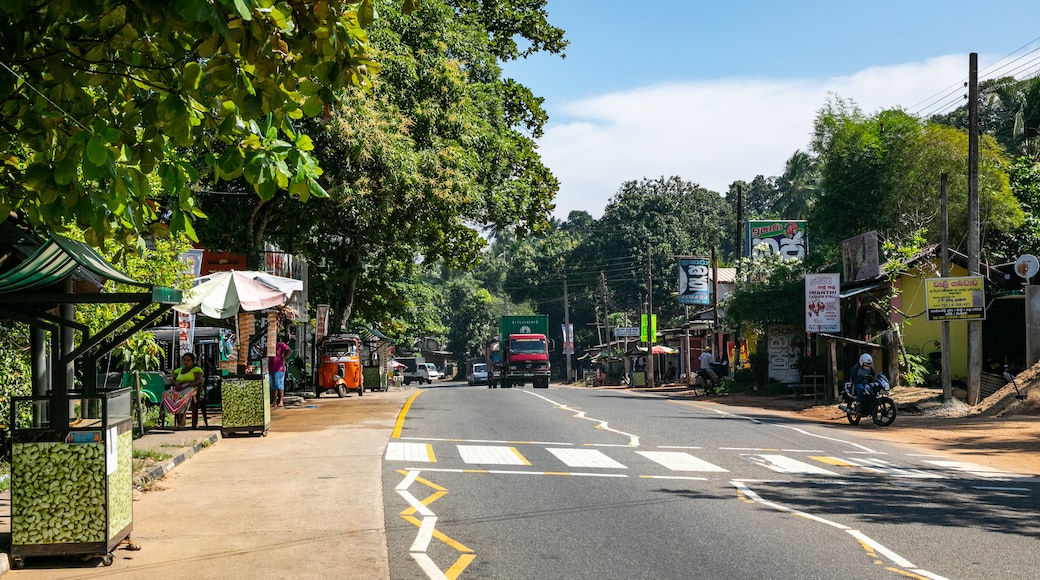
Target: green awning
column 372, row 335
column 56, row 260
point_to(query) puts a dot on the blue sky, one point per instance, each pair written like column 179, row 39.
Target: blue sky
column 653, row 88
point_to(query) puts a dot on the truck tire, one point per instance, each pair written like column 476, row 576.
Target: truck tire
column 407, row 382
column 541, row 383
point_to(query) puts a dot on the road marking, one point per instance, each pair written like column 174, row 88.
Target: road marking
column 862, row 538
column 677, row 447
column 976, row 469
column 783, row 464
column 425, row 535
column 585, row 458
column 396, row 434
column 633, row 440
column 679, row 461
column 607, row 445
column 460, row 565
column 804, row 432
column 747, row 449
column 427, row 565
column 802, row 450
column 991, row 488
column 511, row 472
column 923, row 455
column 683, row 477
column 428, row 529
column 491, row 455
column 401, row 451
column 487, row 441
column 886, row 468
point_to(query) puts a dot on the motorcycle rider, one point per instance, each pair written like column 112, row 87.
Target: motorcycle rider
column 861, row 376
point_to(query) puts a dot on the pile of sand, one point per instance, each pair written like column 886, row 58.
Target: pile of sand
column 1008, row 401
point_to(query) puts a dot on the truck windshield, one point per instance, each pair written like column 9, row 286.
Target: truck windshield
column 533, row 346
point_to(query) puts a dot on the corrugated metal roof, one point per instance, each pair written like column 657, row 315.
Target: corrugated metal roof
column 727, row 275
column 56, row 260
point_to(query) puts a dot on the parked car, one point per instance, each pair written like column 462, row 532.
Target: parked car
column 434, row 374
column 478, row 375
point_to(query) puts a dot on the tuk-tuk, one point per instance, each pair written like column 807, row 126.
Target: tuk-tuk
column 339, row 368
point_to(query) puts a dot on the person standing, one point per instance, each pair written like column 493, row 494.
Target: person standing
column 276, row 370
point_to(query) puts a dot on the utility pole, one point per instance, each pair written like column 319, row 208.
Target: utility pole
column 566, row 327
column 974, row 250
column 606, row 312
column 649, row 318
column 740, row 254
column 947, row 379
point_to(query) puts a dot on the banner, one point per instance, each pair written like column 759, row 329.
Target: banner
column 186, row 322
column 322, row 326
column 784, row 237
column 859, row 257
column 822, row 304
column 695, row 281
column 961, row 298
column 647, row 328
column 745, row 355
column 786, row 348
column 568, row 338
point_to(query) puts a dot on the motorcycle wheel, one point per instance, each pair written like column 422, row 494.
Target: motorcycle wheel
column 885, row 412
column 341, row 391
column 853, row 418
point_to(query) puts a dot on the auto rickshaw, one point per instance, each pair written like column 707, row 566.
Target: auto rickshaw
column 340, row 365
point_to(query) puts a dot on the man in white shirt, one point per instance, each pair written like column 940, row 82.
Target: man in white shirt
column 706, row 360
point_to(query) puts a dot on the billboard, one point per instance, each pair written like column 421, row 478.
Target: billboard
column 568, row 338
column 859, row 257
column 962, row 298
column 786, row 347
column 784, row 237
column 822, row 312
column 695, row 281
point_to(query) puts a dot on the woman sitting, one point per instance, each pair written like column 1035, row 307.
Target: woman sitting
column 186, row 380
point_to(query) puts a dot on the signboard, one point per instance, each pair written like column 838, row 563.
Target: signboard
column 784, row 237
column 647, row 328
column 626, row 332
column 859, row 257
column 186, row 322
column 695, row 281
column 786, row 345
column 321, row 328
column 962, row 298
column 822, row 312
column 568, row 338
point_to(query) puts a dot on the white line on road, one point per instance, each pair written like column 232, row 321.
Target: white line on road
column 863, row 538
column 585, row 458
column 923, row 455
column 633, row 440
column 802, row 450
column 748, row 449
column 425, row 535
column 415, row 503
column 976, row 469
column 677, row 447
column 510, row 472
column 783, row 464
column 427, row 565
column 804, row 432
column 886, row 468
column 408, row 480
column 683, row 477
column 486, row 441
column 491, row 455
column 400, row 451
column 607, row 445
column 680, row 461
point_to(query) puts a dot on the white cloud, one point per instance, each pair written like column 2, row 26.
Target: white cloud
column 715, row 132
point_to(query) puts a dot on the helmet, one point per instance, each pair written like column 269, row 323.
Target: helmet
column 865, row 359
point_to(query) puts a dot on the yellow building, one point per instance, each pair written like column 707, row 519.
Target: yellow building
column 921, row 336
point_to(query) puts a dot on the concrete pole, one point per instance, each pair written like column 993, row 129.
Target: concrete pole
column 1032, row 325
column 974, row 249
column 41, row 378
column 566, row 325
column 649, row 318
column 947, row 369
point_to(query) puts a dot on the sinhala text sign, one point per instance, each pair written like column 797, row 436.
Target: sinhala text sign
column 822, row 313
column 962, row 298
column 695, row 281
column 784, row 237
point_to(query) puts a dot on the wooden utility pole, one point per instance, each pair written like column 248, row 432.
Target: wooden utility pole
column 974, row 250
column 740, row 253
column 566, row 327
column 606, row 311
column 649, row 318
column 947, row 379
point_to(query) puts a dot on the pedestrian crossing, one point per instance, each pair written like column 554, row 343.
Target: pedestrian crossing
column 687, row 464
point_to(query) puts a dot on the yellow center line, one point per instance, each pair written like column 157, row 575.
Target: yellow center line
column 404, row 412
column 458, row 546
column 906, row 573
column 430, row 484
column 459, row 565
column 520, row 457
column 831, row 461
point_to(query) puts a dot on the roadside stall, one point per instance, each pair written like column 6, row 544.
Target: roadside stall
column 72, row 448
column 245, row 396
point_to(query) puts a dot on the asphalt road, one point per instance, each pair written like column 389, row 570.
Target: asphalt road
column 577, row 483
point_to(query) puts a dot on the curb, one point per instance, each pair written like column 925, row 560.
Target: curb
column 160, row 471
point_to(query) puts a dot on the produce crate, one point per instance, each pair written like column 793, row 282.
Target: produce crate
column 71, row 485
column 245, row 405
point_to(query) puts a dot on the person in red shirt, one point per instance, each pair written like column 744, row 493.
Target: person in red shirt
column 276, row 370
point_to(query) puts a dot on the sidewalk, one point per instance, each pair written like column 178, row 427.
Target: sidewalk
column 304, row 502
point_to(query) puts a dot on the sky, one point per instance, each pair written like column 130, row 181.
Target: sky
column 719, row 91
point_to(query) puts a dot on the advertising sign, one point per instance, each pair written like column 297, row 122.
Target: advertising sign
column 568, row 338
column 322, row 326
column 647, row 328
column 822, row 312
column 786, row 345
column 859, row 257
column 962, row 298
column 626, row 332
column 784, row 237
column 695, row 281
column 186, row 322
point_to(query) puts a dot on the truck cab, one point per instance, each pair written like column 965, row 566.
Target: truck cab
column 526, row 360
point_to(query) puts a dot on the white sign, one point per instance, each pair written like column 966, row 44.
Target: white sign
column 626, row 332
column 822, row 312
column 786, row 349
column 322, row 326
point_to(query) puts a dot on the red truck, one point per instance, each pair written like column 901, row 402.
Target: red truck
column 524, row 350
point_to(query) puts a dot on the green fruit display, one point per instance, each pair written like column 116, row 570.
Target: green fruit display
column 57, row 493
column 245, row 403
column 121, row 487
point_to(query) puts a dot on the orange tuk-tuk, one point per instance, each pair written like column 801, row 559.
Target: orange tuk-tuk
column 339, row 368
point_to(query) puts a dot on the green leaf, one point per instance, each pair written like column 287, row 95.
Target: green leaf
column 192, row 75
column 193, row 10
column 366, row 13
column 244, row 9
column 410, row 6
column 65, row 171
column 113, row 19
column 97, row 152
column 312, row 107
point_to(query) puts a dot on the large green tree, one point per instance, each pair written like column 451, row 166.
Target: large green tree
column 106, row 106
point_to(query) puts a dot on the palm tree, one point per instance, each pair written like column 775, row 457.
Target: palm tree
column 798, row 185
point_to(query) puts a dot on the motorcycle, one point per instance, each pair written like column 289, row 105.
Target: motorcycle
column 874, row 403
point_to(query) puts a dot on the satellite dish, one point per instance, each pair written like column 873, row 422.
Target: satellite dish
column 1027, row 266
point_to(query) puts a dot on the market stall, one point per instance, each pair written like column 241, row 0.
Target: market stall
column 245, row 397
column 71, row 452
